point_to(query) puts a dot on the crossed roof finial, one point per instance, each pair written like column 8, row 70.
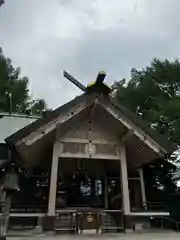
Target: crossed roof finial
column 97, row 86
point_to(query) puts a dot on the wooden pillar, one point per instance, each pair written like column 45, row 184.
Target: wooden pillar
column 137, row 195
column 53, row 179
column 143, row 193
column 105, row 193
column 124, row 181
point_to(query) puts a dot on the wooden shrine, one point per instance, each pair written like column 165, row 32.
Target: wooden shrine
column 94, row 149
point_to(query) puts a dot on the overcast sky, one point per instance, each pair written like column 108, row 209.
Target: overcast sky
column 44, row 37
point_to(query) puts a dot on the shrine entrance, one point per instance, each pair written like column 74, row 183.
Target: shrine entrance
column 88, row 189
column 88, row 183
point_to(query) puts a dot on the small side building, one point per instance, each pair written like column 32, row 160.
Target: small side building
column 9, row 124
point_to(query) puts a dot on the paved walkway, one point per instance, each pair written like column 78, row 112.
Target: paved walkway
column 128, row 236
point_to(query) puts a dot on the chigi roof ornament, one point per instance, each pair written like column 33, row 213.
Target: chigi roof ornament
column 97, row 86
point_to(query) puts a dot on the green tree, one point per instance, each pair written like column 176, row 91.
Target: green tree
column 14, row 92
column 37, row 106
column 154, row 94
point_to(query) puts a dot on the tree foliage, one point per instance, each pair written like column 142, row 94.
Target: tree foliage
column 154, row 94
column 14, row 92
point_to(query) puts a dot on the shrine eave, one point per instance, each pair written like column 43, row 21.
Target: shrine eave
column 118, row 111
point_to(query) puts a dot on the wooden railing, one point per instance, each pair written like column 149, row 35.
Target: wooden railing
column 29, row 209
column 165, row 223
column 112, row 220
column 66, row 221
column 151, row 206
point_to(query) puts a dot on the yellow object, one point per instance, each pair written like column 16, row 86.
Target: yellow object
column 90, row 84
column 102, row 73
column 98, row 85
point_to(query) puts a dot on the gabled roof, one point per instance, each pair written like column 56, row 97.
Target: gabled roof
column 160, row 138
column 137, row 120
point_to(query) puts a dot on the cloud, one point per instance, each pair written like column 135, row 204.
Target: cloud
column 44, row 37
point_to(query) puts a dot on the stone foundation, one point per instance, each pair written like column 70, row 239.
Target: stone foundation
column 136, row 223
column 128, row 223
column 2, row 238
column 49, row 223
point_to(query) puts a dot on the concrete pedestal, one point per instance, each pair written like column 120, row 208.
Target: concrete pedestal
column 134, row 223
column 128, row 223
column 48, row 223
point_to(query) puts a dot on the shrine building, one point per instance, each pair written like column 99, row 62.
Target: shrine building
column 93, row 150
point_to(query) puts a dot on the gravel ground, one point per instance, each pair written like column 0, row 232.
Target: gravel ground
column 128, row 236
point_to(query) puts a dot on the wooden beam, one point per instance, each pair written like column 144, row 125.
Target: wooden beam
column 45, row 129
column 53, row 179
column 143, row 192
column 134, row 179
column 137, row 131
column 124, row 181
column 106, row 193
column 81, row 140
column 87, row 156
